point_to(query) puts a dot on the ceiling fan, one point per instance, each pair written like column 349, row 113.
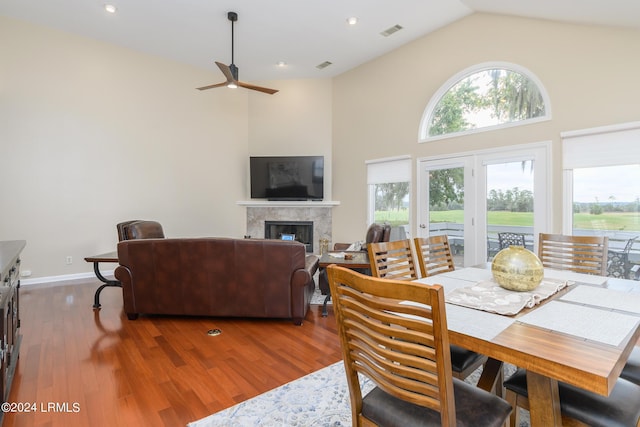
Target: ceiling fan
column 231, row 71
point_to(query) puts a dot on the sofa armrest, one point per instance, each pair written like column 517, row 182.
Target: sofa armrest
column 123, row 275
column 311, row 264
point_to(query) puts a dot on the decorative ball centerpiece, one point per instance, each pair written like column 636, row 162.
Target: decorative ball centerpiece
column 517, row 269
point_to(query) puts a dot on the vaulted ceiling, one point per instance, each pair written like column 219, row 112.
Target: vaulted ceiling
column 300, row 33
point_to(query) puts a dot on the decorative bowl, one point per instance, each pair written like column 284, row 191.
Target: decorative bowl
column 517, row 269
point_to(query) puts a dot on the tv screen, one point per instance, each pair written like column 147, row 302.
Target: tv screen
column 287, row 177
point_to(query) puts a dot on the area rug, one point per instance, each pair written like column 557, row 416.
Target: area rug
column 320, row 399
column 318, row 298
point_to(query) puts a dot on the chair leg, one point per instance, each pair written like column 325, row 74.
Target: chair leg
column 512, row 399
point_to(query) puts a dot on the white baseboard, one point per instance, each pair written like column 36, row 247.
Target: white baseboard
column 64, row 278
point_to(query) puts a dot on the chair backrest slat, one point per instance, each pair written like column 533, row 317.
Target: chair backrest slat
column 392, row 260
column 582, row 254
column 434, row 255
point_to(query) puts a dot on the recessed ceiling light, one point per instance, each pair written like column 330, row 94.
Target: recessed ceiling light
column 281, row 64
column 110, row 8
column 352, row 21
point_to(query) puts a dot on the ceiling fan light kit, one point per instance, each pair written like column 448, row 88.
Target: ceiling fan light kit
column 231, row 71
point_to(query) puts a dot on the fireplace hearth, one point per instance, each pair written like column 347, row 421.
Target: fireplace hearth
column 300, row 231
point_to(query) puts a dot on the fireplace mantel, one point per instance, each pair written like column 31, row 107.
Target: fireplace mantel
column 288, row 204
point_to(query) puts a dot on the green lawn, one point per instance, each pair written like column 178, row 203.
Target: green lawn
column 616, row 221
column 493, row 218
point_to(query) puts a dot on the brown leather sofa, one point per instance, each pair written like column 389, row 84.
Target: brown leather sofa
column 216, row 277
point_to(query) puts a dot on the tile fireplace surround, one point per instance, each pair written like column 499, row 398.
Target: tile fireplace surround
column 319, row 212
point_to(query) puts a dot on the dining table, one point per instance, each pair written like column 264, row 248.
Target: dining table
column 581, row 332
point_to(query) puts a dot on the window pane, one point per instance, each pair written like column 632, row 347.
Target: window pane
column 391, row 205
column 606, row 201
column 509, row 203
column 486, row 98
column 446, row 209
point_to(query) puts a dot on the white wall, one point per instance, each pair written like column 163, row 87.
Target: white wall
column 92, row 134
column 295, row 121
column 590, row 73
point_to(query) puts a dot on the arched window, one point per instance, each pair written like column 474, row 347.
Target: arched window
column 485, row 97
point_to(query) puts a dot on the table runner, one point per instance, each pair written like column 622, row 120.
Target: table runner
column 488, row 295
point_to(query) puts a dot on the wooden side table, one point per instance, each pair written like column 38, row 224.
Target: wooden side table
column 96, row 260
column 360, row 260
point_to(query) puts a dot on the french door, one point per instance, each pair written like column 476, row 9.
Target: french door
column 474, row 196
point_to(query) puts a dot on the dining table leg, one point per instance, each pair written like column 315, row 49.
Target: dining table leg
column 492, row 377
column 544, row 400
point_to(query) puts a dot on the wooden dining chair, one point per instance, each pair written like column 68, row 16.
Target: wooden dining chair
column 392, row 260
column 434, row 255
column 580, row 407
column 631, row 369
column 394, row 332
column 582, row 254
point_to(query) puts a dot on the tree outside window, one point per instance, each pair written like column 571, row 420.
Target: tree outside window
column 486, row 98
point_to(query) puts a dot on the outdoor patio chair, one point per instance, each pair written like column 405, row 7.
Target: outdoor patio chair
column 395, row 333
column 618, row 261
column 507, row 239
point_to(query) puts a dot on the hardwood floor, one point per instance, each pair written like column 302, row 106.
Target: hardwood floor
column 104, row 370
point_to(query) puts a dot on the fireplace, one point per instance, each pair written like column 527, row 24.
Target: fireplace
column 317, row 213
column 300, row 231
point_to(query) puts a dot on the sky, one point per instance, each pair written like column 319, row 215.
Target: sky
column 620, row 182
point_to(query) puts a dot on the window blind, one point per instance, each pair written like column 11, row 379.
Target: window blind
column 397, row 169
column 604, row 146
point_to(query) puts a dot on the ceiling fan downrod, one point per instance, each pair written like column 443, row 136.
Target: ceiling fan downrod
column 233, row 17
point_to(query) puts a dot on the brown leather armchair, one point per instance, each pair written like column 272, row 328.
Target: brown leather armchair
column 139, row 229
column 376, row 233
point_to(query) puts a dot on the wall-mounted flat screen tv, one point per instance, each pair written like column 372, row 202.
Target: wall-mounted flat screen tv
column 287, row 177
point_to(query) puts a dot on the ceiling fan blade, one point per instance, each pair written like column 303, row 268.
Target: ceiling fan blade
column 258, row 88
column 226, row 70
column 212, row 86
